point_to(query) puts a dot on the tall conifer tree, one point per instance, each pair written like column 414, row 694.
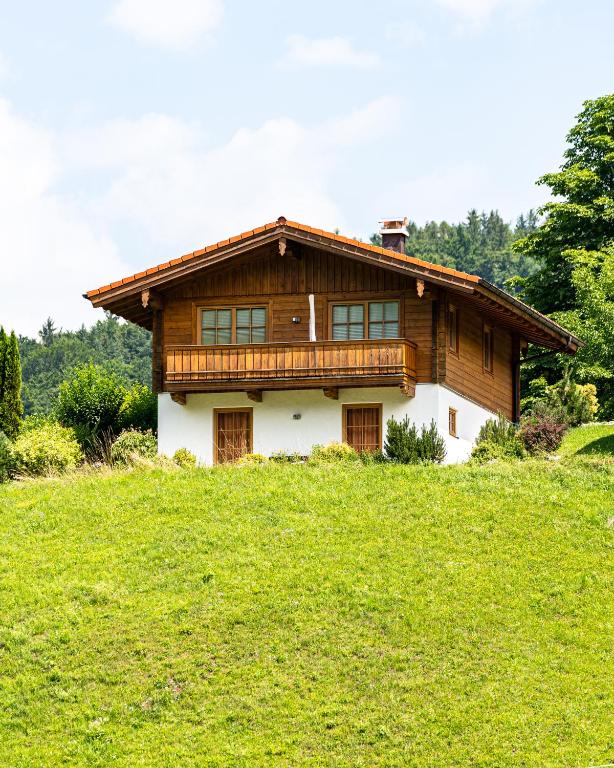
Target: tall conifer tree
column 11, row 405
column 3, row 345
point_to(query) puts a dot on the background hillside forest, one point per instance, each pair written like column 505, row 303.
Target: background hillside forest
column 481, row 244
column 122, row 348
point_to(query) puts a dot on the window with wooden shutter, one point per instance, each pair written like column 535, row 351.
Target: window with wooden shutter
column 453, row 329
column 488, row 348
column 452, row 421
column 362, row 427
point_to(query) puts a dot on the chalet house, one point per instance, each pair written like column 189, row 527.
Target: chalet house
column 286, row 336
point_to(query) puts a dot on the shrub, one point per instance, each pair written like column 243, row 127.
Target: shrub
column 333, row 453
column 184, row 458
column 542, row 430
column 578, row 402
column 431, row 445
column 487, row 450
column 139, row 409
column 46, row 449
column 6, row 458
column 499, row 431
column 373, row 457
column 589, row 393
column 90, row 401
column 405, row 446
column 132, row 446
column 285, row 457
column 498, row 439
column 37, row 420
column 252, row 458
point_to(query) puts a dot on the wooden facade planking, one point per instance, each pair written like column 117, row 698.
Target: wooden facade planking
column 465, row 371
column 276, row 282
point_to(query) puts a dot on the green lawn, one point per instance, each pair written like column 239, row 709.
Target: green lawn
column 304, row 616
column 592, row 440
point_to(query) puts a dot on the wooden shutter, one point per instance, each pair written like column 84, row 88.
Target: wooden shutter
column 232, row 434
column 362, row 426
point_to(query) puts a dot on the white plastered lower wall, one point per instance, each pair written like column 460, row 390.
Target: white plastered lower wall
column 276, row 428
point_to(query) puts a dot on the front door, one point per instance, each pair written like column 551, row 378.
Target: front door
column 232, row 434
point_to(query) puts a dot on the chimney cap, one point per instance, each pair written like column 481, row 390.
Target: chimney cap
column 394, row 225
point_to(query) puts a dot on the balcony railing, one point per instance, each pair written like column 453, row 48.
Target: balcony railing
column 306, row 364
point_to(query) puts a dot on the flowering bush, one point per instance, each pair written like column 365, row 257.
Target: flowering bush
column 46, row 449
column 542, row 430
column 184, row 458
column 133, row 445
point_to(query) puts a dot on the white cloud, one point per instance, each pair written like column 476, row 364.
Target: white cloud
column 474, row 14
column 48, row 254
column 406, row 33
column 156, row 186
column 303, row 52
column 4, row 67
column 178, row 194
column 175, row 25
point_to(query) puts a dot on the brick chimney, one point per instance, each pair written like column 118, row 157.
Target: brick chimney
column 394, row 233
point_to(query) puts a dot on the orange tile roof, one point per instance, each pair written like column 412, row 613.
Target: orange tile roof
column 280, row 223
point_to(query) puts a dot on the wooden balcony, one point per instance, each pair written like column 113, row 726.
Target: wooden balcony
column 291, row 365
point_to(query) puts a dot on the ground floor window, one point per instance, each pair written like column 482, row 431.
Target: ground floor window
column 362, row 426
column 232, row 434
column 452, row 421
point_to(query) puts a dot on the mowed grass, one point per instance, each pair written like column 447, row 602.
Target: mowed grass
column 304, row 616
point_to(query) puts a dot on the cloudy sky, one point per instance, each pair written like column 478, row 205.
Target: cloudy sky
column 132, row 131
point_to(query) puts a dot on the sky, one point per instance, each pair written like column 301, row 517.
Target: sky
column 133, row 131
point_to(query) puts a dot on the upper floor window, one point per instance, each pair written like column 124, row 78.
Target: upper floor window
column 453, row 329
column 380, row 319
column 488, row 348
column 233, row 325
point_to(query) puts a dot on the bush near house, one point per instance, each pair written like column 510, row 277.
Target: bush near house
column 543, row 429
column 132, row 445
column 97, row 405
column 47, row 448
column 498, row 439
column 333, row 452
column 184, row 458
column 406, row 446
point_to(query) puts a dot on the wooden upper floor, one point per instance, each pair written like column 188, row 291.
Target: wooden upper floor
column 291, row 307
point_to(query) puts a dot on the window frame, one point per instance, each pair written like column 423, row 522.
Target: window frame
column 453, row 422
column 233, row 324
column 356, row 406
column 453, row 310
column 488, row 332
column 365, row 304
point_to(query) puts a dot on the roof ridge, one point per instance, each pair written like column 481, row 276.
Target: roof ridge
column 283, row 222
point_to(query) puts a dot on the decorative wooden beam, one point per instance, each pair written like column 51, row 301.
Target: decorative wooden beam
column 255, row 395
column 332, row 392
column 420, row 288
column 179, row 397
column 282, row 246
column 408, row 389
column 151, row 299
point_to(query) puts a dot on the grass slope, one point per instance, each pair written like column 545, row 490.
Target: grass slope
column 299, row 616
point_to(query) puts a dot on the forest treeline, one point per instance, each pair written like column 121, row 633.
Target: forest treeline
column 481, row 245
column 123, row 348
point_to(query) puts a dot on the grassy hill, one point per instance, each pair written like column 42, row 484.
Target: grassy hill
column 303, row 616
